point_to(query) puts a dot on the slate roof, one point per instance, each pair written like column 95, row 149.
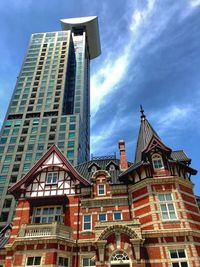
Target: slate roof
column 133, row 167
column 102, row 163
column 146, row 132
column 180, row 155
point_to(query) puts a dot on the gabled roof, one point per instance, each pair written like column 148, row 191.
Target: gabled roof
column 133, row 167
column 111, row 162
column 46, row 161
column 156, row 143
column 146, row 133
column 102, row 163
column 93, row 164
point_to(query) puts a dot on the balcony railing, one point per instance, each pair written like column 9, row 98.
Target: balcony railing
column 49, row 230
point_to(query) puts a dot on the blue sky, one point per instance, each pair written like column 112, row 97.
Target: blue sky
column 150, row 56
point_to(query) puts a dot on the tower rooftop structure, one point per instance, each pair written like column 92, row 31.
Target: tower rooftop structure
column 146, row 132
column 92, row 30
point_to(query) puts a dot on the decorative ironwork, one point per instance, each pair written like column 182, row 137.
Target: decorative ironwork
column 119, row 256
column 103, row 157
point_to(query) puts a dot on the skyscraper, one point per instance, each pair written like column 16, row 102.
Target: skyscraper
column 50, row 104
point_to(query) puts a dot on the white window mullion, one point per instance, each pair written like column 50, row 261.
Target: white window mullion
column 167, row 206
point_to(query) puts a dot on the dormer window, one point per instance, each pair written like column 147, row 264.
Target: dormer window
column 52, row 178
column 93, row 169
column 157, row 162
column 112, row 167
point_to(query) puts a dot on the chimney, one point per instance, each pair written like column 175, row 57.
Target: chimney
column 123, row 160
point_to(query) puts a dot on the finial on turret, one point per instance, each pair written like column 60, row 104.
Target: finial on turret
column 142, row 113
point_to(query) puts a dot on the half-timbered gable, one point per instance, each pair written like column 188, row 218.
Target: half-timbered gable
column 52, row 175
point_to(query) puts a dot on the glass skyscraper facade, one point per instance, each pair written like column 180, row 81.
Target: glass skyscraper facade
column 50, row 104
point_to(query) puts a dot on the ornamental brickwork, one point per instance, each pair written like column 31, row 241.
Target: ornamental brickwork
column 106, row 213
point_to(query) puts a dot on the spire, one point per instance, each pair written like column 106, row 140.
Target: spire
column 142, row 113
column 146, row 132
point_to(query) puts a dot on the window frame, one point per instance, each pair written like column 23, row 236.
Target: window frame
column 104, row 189
column 49, row 217
column 105, row 217
column 63, row 257
column 178, row 259
column 155, row 159
column 87, row 222
column 33, row 260
column 50, row 180
column 116, row 212
column 89, row 261
column 167, row 210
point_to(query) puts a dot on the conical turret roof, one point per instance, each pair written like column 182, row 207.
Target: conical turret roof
column 146, row 132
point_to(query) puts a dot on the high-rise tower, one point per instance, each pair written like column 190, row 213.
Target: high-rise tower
column 50, row 104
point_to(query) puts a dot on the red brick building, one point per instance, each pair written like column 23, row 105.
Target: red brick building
column 107, row 212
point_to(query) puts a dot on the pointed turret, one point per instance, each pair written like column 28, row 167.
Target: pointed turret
column 146, row 132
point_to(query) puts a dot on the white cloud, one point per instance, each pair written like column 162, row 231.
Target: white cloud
column 173, row 117
column 147, row 23
column 194, row 3
column 114, row 69
column 106, row 131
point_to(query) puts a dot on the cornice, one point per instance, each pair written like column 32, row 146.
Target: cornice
column 160, row 180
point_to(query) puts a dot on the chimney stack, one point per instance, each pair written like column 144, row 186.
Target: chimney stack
column 123, row 159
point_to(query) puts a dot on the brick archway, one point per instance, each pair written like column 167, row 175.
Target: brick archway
column 118, row 229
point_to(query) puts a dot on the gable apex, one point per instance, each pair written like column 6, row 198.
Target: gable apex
column 155, row 143
column 53, row 157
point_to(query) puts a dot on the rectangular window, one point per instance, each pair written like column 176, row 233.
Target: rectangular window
column 5, row 168
column 167, row 206
column 101, row 189
column 52, row 178
column 47, row 215
column 7, row 203
column 117, row 216
column 70, row 154
column 8, row 158
column 178, row 258
column 87, row 222
column 13, row 140
column 87, row 262
column 2, row 179
column 70, row 144
column 72, row 127
column 28, row 156
column 33, row 261
column 71, row 135
column 10, row 149
column 26, row 167
column 102, row 217
column 63, row 261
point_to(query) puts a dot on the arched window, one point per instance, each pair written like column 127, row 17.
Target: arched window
column 94, row 168
column 119, row 256
column 157, row 162
column 112, row 167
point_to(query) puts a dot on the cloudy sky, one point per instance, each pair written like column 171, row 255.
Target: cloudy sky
column 150, row 56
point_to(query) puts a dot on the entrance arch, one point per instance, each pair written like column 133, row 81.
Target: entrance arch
column 120, row 259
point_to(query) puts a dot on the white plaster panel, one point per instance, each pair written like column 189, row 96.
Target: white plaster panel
column 56, row 159
column 49, row 160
